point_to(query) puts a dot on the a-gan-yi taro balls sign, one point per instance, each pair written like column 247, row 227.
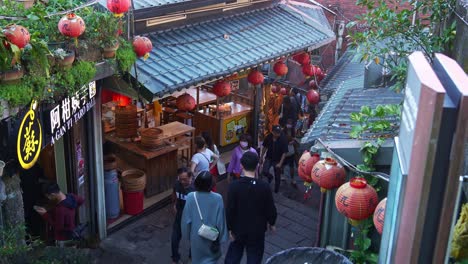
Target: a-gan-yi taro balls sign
column 70, row 110
column 29, row 141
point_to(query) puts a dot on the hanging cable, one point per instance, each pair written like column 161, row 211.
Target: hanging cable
column 376, row 174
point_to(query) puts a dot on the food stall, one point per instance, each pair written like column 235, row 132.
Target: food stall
column 226, row 122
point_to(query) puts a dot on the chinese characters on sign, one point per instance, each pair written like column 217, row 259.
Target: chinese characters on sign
column 70, row 110
column 29, row 142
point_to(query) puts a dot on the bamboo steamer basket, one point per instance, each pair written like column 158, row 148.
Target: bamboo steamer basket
column 126, row 121
column 152, row 138
column 133, row 180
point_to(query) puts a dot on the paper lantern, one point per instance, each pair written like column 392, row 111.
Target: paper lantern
column 302, row 58
column 118, row 7
column 71, row 25
column 308, row 165
column 280, row 68
column 379, row 215
column 356, row 200
column 328, row 174
column 313, row 84
column 305, row 164
column 185, row 102
column 255, row 77
column 283, row 91
column 222, row 88
column 313, row 97
column 142, row 46
column 275, row 89
column 17, row 35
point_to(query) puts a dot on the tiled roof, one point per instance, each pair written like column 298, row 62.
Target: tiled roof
column 140, row 4
column 196, row 53
column 346, row 82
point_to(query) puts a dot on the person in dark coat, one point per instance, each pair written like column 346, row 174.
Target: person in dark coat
column 250, row 210
column 182, row 187
column 276, row 147
column 62, row 216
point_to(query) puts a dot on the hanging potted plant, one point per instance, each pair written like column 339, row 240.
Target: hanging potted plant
column 64, row 58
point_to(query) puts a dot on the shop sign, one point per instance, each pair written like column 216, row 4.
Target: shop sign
column 29, row 142
column 233, row 128
column 70, row 110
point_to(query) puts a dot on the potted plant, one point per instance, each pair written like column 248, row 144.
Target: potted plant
column 64, row 58
column 125, row 56
column 10, row 67
column 108, row 33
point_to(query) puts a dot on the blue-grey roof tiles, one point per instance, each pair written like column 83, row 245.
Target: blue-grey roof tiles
column 346, row 84
column 195, row 53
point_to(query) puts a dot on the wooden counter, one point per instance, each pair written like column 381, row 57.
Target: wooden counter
column 226, row 129
column 160, row 165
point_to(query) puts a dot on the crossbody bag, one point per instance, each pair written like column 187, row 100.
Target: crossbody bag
column 206, row 231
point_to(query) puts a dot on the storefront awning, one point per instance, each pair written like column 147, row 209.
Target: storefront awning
column 194, row 54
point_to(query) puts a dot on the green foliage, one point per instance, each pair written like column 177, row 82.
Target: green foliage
column 125, row 56
column 375, row 120
column 392, row 34
column 362, row 243
column 71, row 80
column 106, row 28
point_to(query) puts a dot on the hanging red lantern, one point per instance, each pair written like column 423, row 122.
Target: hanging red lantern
column 185, row 102
column 356, row 200
column 313, row 84
column 17, row 35
column 328, row 174
column 302, row 58
column 222, row 88
column 283, row 91
column 318, row 72
column 118, row 7
column 275, row 89
column 313, row 97
column 280, row 68
column 308, row 70
column 142, row 46
column 255, row 77
column 305, row 168
column 71, row 25
column 302, row 165
column 379, row 215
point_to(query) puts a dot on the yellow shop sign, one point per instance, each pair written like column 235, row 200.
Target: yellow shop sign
column 29, row 141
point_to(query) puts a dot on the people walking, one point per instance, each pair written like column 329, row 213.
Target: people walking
column 245, row 144
column 182, row 187
column 204, row 159
column 62, row 216
column 203, row 221
column 275, row 146
column 250, row 210
column 291, row 157
column 219, row 168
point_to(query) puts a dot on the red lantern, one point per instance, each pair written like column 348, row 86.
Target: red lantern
column 222, row 88
column 275, row 89
column 302, row 58
column 308, row 70
column 302, row 165
column 280, row 68
column 313, row 97
column 305, row 168
column 142, row 46
column 379, row 215
column 328, row 174
column 313, row 84
column 17, row 35
column 71, row 25
column 185, row 102
column 283, row 91
column 118, row 7
column 356, row 200
column 255, row 77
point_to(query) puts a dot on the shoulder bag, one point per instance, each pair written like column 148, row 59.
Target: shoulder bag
column 206, row 231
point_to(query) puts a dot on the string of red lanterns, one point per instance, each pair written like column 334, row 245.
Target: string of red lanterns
column 222, row 88
column 328, row 174
column 185, row 102
column 118, row 7
column 17, row 35
column 142, row 46
column 280, row 68
column 255, row 77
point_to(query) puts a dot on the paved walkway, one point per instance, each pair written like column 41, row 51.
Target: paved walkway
column 148, row 240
